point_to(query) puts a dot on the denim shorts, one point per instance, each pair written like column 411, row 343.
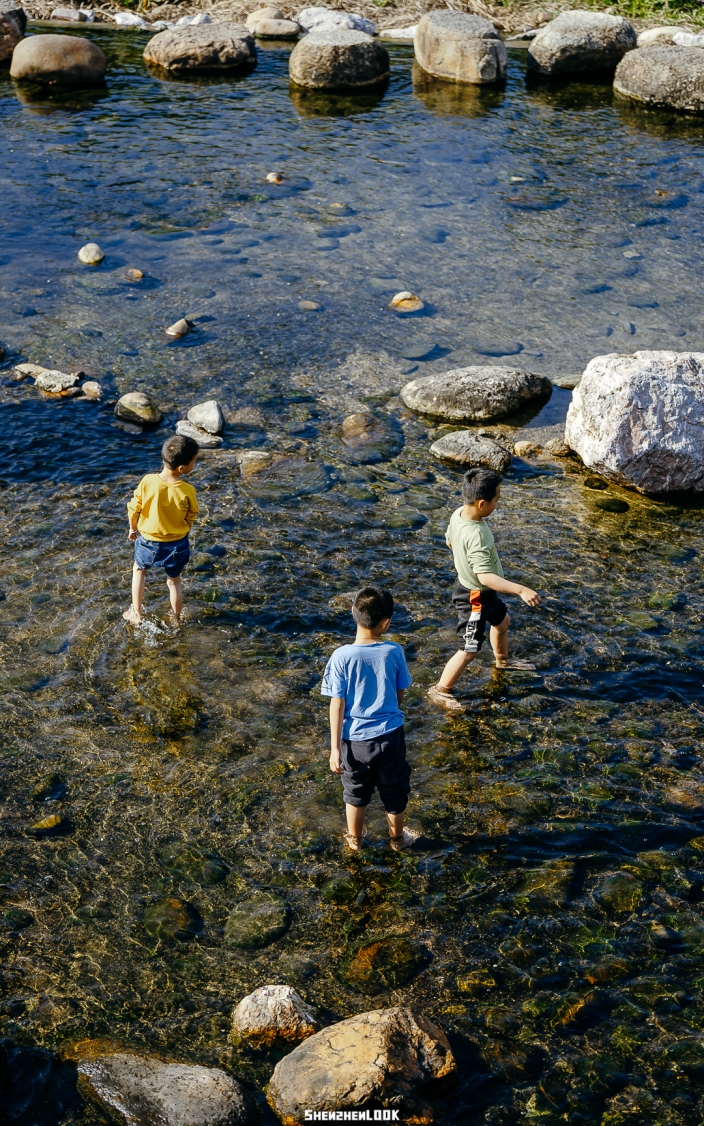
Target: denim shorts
column 172, row 556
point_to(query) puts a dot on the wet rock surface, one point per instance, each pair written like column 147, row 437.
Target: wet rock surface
column 62, row 60
column 339, row 59
column 208, row 416
column 636, row 419
column 577, row 42
column 384, row 1058
column 273, row 1014
column 138, row 407
column 460, row 47
column 370, row 437
column 474, row 393
column 206, row 47
column 663, row 76
column 138, row 1089
column 257, row 921
column 467, row 449
column 13, row 23
column 205, row 439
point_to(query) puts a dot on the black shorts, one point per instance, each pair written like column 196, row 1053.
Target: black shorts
column 376, row 762
column 474, row 609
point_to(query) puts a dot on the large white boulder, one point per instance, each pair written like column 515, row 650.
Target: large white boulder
column 460, row 47
column 578, row 42
column 272, row 1015
column 327, row 19
column 638, row 420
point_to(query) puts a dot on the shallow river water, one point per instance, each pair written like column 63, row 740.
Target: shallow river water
column 551, row 921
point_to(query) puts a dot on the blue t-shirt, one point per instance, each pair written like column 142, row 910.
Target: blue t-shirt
column 368, row 677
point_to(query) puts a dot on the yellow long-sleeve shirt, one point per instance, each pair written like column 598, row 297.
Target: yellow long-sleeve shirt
column 164, row 511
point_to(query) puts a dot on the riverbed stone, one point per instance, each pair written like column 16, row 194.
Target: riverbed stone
column 620, row 893
column 144, row 1091
column 272, row 1015
column 406, row 302
column 578, row 42
column 208, row 416
column 247, row 418
column 384, row 1058
column 460, row 47
column 54, row 382
column 205, row 440
column 466, row 448
column 252, row 462
column 193, row 863
column 139, row 408
column 339, row 59
column 91, row 389
column 657, row 37
column 637, row 420
column 173, row 918
column 179, row 328
column 328, row 19
column 58, row 60
column 70, row 15
column 388, row 962
column 202, row 47
column 370, row 437
column 672, row 77
column 257, row 921
column 273, row 28
column 475, row 394
column 90, row 254
column 13, row 23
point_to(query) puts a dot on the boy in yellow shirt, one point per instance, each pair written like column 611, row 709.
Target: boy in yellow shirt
column 161, row 514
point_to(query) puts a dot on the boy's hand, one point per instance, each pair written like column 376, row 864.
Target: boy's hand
column 132, row 535
column 335, row 760
column 531, row 597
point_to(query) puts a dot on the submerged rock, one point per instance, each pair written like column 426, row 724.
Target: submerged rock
column 205, row 440
column 247, row 417
column 637, row 420
column 172, row 918
column 467, row 448
column 384, row 963
column 460, row 47
column 309, row 306
column 203, row 47
column 252, row 462
column 273, row 1014
column 577, row 42
column 620, row 893
column 142, row 1091
column 257, row 921
column 339, row 59
column 54, row 382
column 58, row 60
column 370, row 437
column 663, row 76
column 13, row 23
column 193, row 863
column 138, row 407
column 475, row 393
column 382, row 1058
column 208, row 416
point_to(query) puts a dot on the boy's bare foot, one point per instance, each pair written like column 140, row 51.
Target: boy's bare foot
column 407, row 839
column 515, row 663
column 355, row 843
column 444, row 698
column 132, row 616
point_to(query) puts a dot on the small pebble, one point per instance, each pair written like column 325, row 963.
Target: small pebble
column 525, row 449
column 92, row 389
column 135, row 275
column 275, row 177
column 90, row 254
column 310, row 306
column 180, row 328
column 406, row 302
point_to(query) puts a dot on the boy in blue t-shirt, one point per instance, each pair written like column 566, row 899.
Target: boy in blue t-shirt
column 366, row 682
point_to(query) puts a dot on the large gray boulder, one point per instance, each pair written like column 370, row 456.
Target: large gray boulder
column 139, row 408
column 467, row 449
column 578, row 42
column 663, row 76
column 475, row 394
column 13, row 23
column 136, row 1089
column 208, row 416
column 58, row 60
column 202, row 47
column 460, row 47
column 339, row 59
column 638, row 420
column 382, row 1058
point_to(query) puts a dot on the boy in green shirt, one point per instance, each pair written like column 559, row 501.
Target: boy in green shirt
column 480, row 577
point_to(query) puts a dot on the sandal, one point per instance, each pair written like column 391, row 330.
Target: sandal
column 516, row 663
column 406, row 840
column 444, row 698
column 355, row 844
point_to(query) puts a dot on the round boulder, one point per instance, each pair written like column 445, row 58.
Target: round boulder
column 13, row 22
column 273, row 1014
column 475, row 394
column 468, row 449
column 663, row 76
column 202, row 47
column 139, row 408
column 257, row 921
column 58, row 60
column 578, row 42
column 339, row 59
column 460, row 47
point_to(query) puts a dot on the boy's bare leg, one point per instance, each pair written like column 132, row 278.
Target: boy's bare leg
column 134, row 614
column 355, row 825
column 395, row 823
column 176, row 596
column 499, row 643
column 441, row 693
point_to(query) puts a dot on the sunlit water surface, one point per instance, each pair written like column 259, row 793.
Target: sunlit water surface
column 551, row 920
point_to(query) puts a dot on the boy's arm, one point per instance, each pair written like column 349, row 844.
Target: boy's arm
column 503, row 586
column 337, row 715
column 192, row 511
column 134, row 508
column 400, row 692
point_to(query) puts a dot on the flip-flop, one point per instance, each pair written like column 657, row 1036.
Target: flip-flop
column 516, row 663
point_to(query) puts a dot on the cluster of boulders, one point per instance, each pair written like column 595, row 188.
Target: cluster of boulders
column 54, row 384
column 205, row 422
column 363, row 1066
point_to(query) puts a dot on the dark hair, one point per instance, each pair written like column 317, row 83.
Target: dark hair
column 179, row 450
column 372, row 606
column 480, row 484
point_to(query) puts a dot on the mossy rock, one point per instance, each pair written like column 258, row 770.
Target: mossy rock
column 383, row 963
column 611, row 504
column 173, row 919
column 17, row 919
column 52, row 826
column 341, row 891
column 195, row 864
column 546, row 887
column 640, row 620
column 667, row 600
column 620, row 893
column 514, row 798
column 50, row 786
column 257, row 921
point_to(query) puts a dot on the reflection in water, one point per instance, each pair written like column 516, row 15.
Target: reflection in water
column 47, row 101
column 152, row 781
column 318, row 103
column 459, row 98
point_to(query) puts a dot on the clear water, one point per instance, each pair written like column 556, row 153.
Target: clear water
column 556, row 898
